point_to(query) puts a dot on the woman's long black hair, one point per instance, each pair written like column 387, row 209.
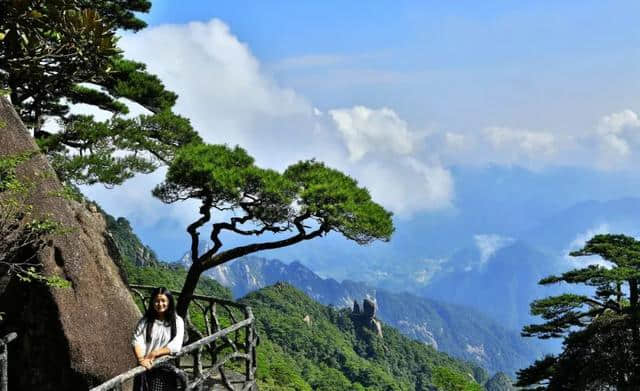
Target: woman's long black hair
column 170, row 314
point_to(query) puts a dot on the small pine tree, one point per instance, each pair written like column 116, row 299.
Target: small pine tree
column 601, row 346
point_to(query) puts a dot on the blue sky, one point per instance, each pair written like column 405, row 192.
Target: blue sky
column 396, row 94
column 423, row 34
column 495, row 29
column 495, row 61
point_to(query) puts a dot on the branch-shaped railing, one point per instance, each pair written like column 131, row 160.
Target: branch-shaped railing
column 227, row 340
column 4, row 360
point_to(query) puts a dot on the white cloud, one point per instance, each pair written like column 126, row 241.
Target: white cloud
column 433, row 267
column 488, row 244
column 616, row 145
column 519, row 141
column 220, row 84
column 609, row 144
column 617, row 134
column 503, row 145
column 579, row 241
column 365, row 130
column 230, row 99
column 615, row 123
column 455, row 141
column 406, row 185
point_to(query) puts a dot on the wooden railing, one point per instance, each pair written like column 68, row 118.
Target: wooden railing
column 227, row 339
column 4, row 360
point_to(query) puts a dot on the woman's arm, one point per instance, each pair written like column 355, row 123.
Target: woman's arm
column 158, row 353
column 138, row 342
column 138, row 351
column 175, row 344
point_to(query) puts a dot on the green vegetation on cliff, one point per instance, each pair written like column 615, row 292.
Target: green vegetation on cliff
column 22, row 233
column 140, row 265
column 131, row 248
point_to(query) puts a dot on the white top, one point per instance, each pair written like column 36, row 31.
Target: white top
column 160, row 336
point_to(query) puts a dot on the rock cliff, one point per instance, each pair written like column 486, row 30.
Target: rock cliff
column 68, row 338
column 366, row 317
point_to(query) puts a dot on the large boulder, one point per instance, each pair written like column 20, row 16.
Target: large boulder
column 68, row 338
column 367, row 316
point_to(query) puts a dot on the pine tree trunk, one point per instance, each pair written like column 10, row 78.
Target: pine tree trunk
column 189, row 287
column 633, row 299
column 635, row 333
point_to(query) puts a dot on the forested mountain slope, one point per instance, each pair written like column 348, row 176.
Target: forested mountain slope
column 324, row 348
column 456, row 330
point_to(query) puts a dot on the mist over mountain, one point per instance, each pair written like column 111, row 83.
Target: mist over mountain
column 501, row 286
column 511, row 202
column 499, row 275
column 571, row 225
column 459, row 331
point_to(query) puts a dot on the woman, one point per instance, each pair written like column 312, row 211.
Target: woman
column 158, row 333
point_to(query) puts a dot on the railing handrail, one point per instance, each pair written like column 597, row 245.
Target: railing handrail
column 9, row 337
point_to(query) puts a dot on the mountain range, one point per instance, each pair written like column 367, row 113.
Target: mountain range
column 494, row 270
column 305, row 345
column 456, row 330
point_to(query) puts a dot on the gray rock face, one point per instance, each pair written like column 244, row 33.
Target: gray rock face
column 68, row 338
column 356, row 307
column 366, row 317
column 369, row 308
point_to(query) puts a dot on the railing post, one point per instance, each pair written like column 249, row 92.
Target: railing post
column 4, row 360
column 197, row 365
column 249, row 347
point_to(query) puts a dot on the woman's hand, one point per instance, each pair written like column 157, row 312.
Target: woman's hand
column 158, row 353
column 146, row 362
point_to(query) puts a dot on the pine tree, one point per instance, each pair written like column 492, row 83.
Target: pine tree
column 56, row 53
column 601, row 344
column 307, row 201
